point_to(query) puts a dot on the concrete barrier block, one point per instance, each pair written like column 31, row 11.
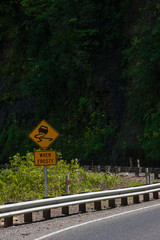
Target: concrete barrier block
column 146, row 197
column 8, row 221
column 155, row 195
column 65, row 210
column 112, row 203
column 28, row 217
column 82, row 207
column 97, row 205
column 124, row 201
column 136, row 199
column 47, row 214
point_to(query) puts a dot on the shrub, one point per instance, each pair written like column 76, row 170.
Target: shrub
column 23, row 181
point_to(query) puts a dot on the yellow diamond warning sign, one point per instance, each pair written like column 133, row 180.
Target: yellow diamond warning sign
column 44, row 158
column 44, row 134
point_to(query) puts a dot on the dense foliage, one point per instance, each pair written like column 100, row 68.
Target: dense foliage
column 23, row 181
column 144, row 89
column 90, row 68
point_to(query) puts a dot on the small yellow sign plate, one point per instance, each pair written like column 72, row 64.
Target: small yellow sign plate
column 44, row 158
column 44, row 134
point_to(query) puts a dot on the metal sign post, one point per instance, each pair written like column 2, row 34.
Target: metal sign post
column 43, row 135
column 45, row 181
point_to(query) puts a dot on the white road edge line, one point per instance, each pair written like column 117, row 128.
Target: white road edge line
column 96, row 220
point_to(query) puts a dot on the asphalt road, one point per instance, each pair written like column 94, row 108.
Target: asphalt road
column 133, row 222
column 141, row 224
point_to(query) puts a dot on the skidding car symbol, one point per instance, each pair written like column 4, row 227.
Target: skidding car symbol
column 43, row 130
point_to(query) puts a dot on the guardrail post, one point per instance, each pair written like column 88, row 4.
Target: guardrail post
column 155, row 175
column 8, row 221
column 97, row 205
column 137, row 171
column 155, row 195
column 47, row 214
column 136, row 199
column 147, row 176
column 82, row 207
column 65, row 210
column 156, row 172
column 107, row 168
column 130, row 162
column 124, row 201
column 111, row 203
column 86, row 167
column 146, row 197
column 92, row 167
column 115, row 170
column 28, row 217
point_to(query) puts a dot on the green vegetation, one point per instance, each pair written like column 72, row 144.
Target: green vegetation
column 135, row 184
column 88, row 67
column 23, row 181
column 143, row 69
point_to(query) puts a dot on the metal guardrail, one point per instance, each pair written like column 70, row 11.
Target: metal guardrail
column 108, row 168
column 120, row 169
column 27, row 208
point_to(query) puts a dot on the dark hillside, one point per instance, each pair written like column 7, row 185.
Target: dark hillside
column 89, row 68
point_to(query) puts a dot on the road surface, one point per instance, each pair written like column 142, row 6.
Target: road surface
column 133, row 222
